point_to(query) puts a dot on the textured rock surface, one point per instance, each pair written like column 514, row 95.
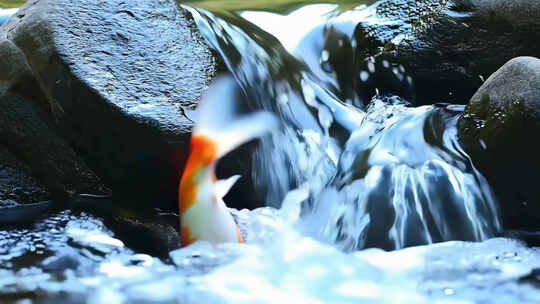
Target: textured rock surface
column 33, row 149
column 15, row 74
column 117, row 77
column 452, row 45
column 499, row 129
column 515, row 12
column 16, row 184
column 447, row 46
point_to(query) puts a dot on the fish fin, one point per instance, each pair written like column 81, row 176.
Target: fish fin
column 239, row 238
column 222, row 186
column 217, row 118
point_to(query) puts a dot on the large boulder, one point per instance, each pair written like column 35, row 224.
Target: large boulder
column 446, row 47
column 499, row 129
column 451, row 46
column 118, row 78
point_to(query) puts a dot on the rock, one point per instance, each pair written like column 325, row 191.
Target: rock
column 451, row 47
column 447, row 47
column 118, row 77
column 16, row 182
column 499, row 130
column 146, row 235
column 145, row 231
column 514, row 12
column 22, row 199
column 37, row 157
column 16, row 73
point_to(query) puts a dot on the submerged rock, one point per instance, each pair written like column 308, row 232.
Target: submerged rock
column 499, row 130
column 118, row 78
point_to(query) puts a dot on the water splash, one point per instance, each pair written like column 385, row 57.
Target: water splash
column 53, row 261
column 402, row 181
column 6, row 13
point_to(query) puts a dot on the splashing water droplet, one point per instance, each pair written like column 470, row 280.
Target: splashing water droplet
column 364, row 76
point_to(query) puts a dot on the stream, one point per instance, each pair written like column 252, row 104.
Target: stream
column 369, row 198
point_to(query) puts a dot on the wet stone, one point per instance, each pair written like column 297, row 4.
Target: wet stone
column 16, row 183
column 117, row 79
column 31, row 142
column 498, row 129
column 447, row 47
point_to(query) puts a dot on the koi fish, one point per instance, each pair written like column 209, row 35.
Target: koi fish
column 217, row 131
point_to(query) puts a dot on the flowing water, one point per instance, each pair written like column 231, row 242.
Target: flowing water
column 352, row 167
column 8, row 8
column 5, row 13
column 379, row 173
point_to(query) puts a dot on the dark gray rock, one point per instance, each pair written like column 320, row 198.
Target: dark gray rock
column 447, row 47
column 118, row 77
column 36, row 157
column 16, row 182
column 16, row 74
column 146, row 235
column 499, row 129
column 514, row 12
column 450, row 46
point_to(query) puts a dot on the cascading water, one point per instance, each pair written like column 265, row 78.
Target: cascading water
column 385, row 175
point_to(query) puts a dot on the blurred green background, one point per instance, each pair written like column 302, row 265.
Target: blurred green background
column 11, row 3
column 275, row 6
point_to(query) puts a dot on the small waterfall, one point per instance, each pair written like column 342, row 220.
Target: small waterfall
column 380, row 173
column 403, row 180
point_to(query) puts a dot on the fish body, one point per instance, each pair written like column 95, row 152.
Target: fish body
column 217, row 131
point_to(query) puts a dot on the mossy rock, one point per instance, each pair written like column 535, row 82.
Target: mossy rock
column 500, row 130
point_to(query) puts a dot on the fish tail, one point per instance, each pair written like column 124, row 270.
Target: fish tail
column 218, row 120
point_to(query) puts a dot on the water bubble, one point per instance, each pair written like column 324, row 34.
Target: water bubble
column 409, row 80
column 283, row 98
column 364, row 76
column 448, row 291
column 325, row 55
column 483, row 144
column 371, row 67
column 325, row 117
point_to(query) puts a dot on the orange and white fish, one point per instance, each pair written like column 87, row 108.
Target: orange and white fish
column 217, row 131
